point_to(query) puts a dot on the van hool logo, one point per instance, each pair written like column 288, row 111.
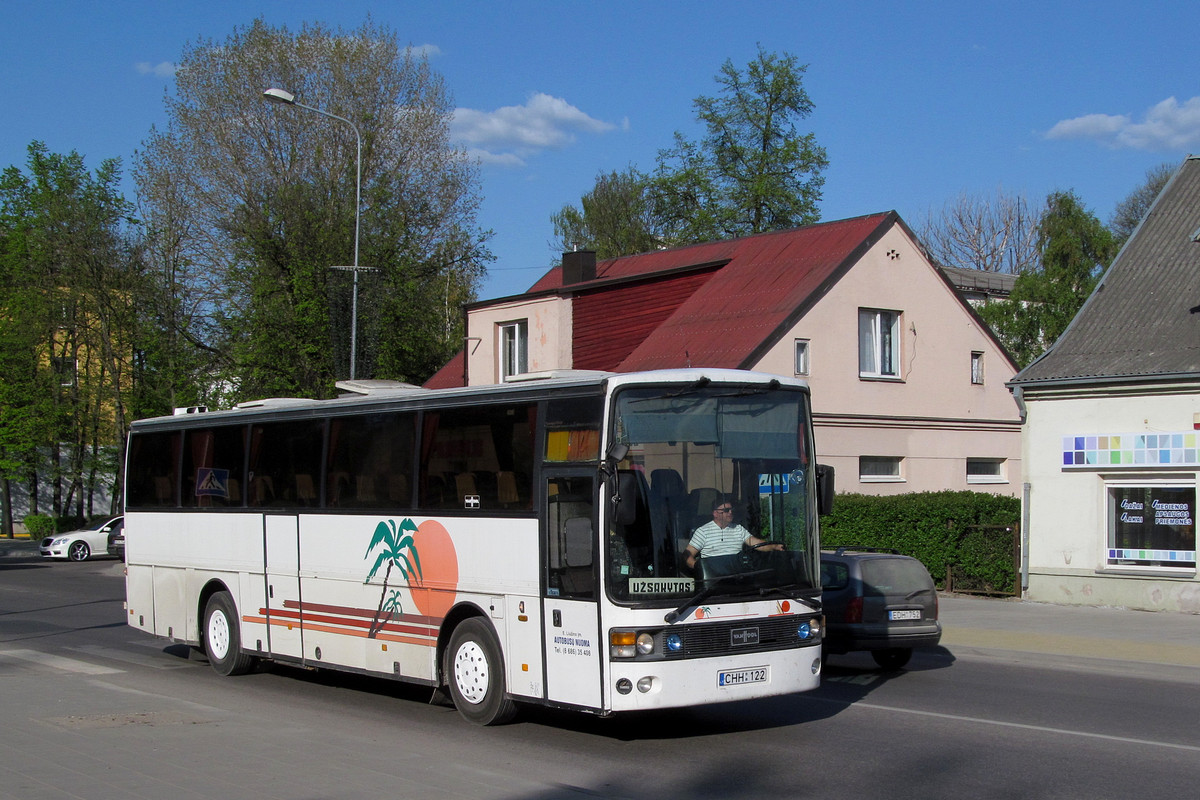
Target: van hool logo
column 431, row 582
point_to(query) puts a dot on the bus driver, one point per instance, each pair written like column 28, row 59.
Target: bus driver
column 721, row 537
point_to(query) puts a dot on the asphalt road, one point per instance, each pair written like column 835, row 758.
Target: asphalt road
column 90, row 708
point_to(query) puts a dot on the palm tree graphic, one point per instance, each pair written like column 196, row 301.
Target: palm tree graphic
column 399, row 550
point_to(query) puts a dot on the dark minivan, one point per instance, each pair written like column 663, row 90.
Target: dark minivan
column 878, row 601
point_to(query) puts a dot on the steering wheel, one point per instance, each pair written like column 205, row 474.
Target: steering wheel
column 764, row 544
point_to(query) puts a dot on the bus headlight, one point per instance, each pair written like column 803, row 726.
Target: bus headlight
column 645, row 644
column 809, row 629
column 674, row 642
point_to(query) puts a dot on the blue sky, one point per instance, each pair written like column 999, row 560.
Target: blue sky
column 915, row 102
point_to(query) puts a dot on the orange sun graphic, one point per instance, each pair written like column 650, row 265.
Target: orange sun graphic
column 434, row 591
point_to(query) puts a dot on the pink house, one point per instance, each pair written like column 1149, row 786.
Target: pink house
column 908, row 384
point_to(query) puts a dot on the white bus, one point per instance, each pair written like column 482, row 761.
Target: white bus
column 509, row 544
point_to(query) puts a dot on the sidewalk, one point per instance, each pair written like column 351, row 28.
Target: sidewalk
column 1117, row 634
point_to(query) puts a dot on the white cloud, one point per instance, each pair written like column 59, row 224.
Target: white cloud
column 508, row 135
column 1169, row 125
column 163, row 69
column 424, row 50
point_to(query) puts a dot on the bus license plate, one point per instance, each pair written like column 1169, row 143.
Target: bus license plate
column 738, row 677
column 914, row 613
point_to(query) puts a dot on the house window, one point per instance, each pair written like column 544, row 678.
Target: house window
column 878, row 343
column 802, row 356
column 977, row 368
column 514, row 348
column 879, row 469
column 986, row 470
column 1152, row 526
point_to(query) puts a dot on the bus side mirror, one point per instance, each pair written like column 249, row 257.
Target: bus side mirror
column 824, row 489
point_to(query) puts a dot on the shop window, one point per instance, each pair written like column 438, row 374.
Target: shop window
column 1152, row 526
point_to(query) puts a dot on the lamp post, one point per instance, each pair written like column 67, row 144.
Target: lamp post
column 289, row 99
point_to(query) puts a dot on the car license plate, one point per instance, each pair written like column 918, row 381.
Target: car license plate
column 738, row 677
column 914, row 613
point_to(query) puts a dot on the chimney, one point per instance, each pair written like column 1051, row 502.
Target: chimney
column 578, row 266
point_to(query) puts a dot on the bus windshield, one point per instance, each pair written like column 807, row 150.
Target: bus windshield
column 724, row 469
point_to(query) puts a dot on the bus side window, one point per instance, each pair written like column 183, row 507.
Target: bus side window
column 280, row 452
column 370, row 461
column 153, row 476
column 478, row 458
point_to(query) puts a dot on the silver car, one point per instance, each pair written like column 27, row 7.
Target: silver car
column 82, row 544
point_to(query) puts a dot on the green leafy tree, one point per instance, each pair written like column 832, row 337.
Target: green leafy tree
column 70, row 290
column 753, row 171
column 1075, row 248
column 614, row 218
column 249, row 204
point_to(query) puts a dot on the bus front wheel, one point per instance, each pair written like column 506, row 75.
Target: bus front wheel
column 222, row 637
column 475, row 672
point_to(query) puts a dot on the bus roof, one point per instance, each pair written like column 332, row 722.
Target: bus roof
column 361, row 395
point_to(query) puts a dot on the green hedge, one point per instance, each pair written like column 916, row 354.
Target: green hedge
column 39, row 525
column 940, row 529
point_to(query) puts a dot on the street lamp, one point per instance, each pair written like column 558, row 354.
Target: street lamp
column 289, row 99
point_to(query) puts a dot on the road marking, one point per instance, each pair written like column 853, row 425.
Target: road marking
column 60, row 663
column 1027, row 727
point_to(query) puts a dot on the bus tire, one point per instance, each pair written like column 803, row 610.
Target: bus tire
column 222, row 637
column 475, row 672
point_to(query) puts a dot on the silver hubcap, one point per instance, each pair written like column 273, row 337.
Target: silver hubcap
column 78, row 551
column 471, row 672
column 218, row 634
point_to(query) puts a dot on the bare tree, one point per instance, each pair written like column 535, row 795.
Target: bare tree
column 1129, row 212
column 993, row 234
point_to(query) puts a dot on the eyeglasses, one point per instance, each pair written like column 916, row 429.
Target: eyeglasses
column 725, row 510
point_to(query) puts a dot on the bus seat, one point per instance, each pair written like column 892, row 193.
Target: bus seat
column 262, row 490
column 306, row 492
column 577, row 550
column 234, row 490
column 364, row 488
column 700, row 506
column 162, row 490
column 506, row 488
column 464, row 484
column 398, row 489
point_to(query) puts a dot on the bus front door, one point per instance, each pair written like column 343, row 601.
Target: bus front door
column 571, row 615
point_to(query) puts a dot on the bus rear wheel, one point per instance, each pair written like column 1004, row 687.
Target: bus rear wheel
column 222, row 637
column 475, row 672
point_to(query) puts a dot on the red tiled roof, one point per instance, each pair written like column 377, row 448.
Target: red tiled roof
column 766, row 283
column 718, row 304
column 448, row 376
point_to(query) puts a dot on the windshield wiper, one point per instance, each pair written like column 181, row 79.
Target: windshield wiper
column 714, row 584
column 792, row 592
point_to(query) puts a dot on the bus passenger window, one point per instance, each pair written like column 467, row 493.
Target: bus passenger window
column 153, row 475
